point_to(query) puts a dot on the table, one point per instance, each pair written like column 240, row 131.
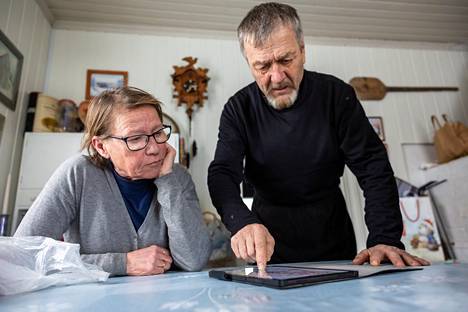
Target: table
column 441, row 287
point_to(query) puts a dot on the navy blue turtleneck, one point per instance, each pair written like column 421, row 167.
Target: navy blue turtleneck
column 137, row 195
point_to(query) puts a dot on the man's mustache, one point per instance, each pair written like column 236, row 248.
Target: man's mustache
column 281, row 85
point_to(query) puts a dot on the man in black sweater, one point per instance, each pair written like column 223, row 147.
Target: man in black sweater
column 296, row 130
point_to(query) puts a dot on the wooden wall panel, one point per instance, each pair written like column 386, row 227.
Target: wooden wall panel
column 24, row 24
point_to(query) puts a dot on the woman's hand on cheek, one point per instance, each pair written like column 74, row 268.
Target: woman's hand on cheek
column 168, row 161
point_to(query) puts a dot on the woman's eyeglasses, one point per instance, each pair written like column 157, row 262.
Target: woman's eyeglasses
column 140, row 141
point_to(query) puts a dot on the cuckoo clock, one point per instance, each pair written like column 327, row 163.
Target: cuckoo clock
column 190, row 85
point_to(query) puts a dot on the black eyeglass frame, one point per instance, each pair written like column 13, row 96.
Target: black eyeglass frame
column 125, row 139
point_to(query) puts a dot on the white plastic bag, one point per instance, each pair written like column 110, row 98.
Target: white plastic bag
column 420, row 233
column 35, row 262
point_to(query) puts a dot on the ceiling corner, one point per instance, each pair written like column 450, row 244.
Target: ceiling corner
column 46, row 11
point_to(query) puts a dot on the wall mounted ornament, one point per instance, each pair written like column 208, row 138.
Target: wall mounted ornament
column 372, row 89
column 190, row 86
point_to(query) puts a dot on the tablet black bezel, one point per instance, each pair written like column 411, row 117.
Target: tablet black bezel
column 287, row 283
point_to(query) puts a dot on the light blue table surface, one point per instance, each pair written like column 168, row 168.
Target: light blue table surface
column 442, row 287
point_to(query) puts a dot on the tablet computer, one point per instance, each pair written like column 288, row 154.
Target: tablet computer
column 283, row 276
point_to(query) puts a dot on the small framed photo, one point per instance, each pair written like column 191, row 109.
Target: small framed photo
column 11, row 62
column 101, row 80
column 377, row 124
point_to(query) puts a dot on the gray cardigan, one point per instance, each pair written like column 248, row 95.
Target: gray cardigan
column 83, row 203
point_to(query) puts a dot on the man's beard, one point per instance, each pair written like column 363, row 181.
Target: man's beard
column 285, row 101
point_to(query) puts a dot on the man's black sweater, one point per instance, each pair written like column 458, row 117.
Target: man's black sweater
column 294, row 158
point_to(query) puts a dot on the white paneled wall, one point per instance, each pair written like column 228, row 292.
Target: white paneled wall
column 25, row 25
column 149, row 60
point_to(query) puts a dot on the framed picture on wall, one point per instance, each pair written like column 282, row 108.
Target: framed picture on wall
column 11, row 62
column 101, row 80
column 377, row 124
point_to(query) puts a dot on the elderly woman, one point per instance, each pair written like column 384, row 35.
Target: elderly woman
column 131, row 209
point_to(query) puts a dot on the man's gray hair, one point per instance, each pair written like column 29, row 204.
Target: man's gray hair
column 258, row 25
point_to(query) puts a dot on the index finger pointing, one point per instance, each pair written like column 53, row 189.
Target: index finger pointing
column 261, row 251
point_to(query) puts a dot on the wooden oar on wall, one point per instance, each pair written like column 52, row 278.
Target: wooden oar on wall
column 370, row 88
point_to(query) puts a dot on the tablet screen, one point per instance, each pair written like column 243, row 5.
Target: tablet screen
column 281, row 272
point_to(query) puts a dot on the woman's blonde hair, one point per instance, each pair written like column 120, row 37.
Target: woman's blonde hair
column 101, row 114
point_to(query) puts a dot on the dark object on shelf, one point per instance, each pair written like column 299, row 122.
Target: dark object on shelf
column 67, row 117
column 370, row 88
column 31, row 111
column 3, row 224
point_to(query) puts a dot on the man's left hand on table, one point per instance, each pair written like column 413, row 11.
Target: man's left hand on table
column 379, row 253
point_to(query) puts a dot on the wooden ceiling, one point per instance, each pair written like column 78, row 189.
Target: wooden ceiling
column 425, row 21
